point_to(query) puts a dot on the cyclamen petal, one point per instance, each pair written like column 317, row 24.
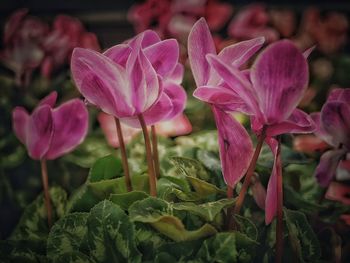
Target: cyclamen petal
column 279, row 77
column 49, row 99
column 340, row 95
column 319, row 130
column 69, row 129
column 119, row 54
column 20, row 119
column 177, row 75
column 178, row 99
column 235, row 145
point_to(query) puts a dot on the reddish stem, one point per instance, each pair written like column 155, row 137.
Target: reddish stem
column 155, row 151
column 151, row 171
column 279, row 227
column 250, row 172
column 124, row 156
column 47, row 200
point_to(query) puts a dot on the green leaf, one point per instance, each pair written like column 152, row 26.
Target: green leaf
column 18, row 251
column 125, row 200
column 246, row 226
column 158, row 213
column 207, row 211
column 302, row 238
column 203, row 188
column 227, row 247
column 111, row 235
column 33, row 223
column 73, row 257
column 190, row 167
column 107, row 167
column 178, row 251
column 66, row 235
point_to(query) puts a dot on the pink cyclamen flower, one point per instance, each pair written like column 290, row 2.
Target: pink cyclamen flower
column 271, row 91
column 252, row 22
column 141, row 76
column 235, row 144
column 48, row 132
column 333, row 126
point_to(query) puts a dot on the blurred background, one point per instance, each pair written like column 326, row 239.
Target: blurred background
column 38, row 36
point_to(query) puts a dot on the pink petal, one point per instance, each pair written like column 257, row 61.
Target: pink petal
column 327, row 167
column 236, row 149
column 177, row 75
column 20, row 118
column 49, row 100
column 119, row 54
column 239, row 53
column 259, row 192
column 101, row 82
column 70, row 126
column 200, row 43
column 39, row 132
column 163, row 56
column 298, row 122
column 149, row 38
column 308, row 51
column 13, row 23
column 336, row 122
column 309, row 144
column 178, row 98
column 177, row 126
column 280, row 77
column 108, row 126
column 340, row 95
column 319, row 130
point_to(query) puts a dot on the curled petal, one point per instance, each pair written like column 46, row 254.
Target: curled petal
column 279, row 76
column 200, row 43
column 39, row 132
column 20, row 118
column 327, row 167
column 163, row 56
column 49, row 99
column 235, row 145
column 298, row 122
column 70, row 126
column 119, row 54
column 178, row 98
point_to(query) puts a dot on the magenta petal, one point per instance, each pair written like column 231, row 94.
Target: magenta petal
column 20, row 118
column 70, row 122
column 327, row 167
column 49, row 99
column 163, row 56
column 279, row 76
column 178, row 98
column 39, row 132
column 235, row 145
column 158, row 112
column 298, row 122
column 336, row 122
column 102, row 82
column 149, row 38
column 319, row 130
column 200, row 43
column 239, row 53
column 340, row 95
column 259, row 193
column 177, row 75
column 119, row 54
column 308, row 51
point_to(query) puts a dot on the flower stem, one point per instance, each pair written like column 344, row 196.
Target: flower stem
column 47, row 201
column 155, row 151
column 124, row 156
column 151, row 171
column 279, row 227
column 250, row 172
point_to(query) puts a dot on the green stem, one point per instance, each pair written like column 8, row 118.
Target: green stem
column 151, row 171
column 155, row 151
column 250, row 172
column 45, row 182
column 123, row 155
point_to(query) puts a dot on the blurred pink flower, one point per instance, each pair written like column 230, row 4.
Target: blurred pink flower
column 252, row 22
column 48, row 132
column 309, row 144
column 284, row 21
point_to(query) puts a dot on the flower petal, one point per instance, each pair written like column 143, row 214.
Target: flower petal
column 101, row 82
column 319, row 130
column 180, row 125
column 236, row 148
column 308, row 51
column 200, row 43
column 298, row 122
column 177, row 75
column 39, row 132
column 70, row 126
column 279, row 76
column 49, row 99
column 239, row 53
column 178, row 98
column 327, row 167
column 119, row 54
column 20, row 118
column 259, row 192
column 341, row 95
column 163, row 56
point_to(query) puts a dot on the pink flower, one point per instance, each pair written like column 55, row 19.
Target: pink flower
column 333, row 126
column 271, row 90
column 235, row 145
column 180, row 125
column 142, row 76
column 309, row 144
column 252, row 22
column 49, row 133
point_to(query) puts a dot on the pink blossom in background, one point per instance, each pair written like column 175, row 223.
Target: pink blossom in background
column 251, row 22
column 284, row 21
column 141, row 76
column 309, row 144
column 49, row 132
